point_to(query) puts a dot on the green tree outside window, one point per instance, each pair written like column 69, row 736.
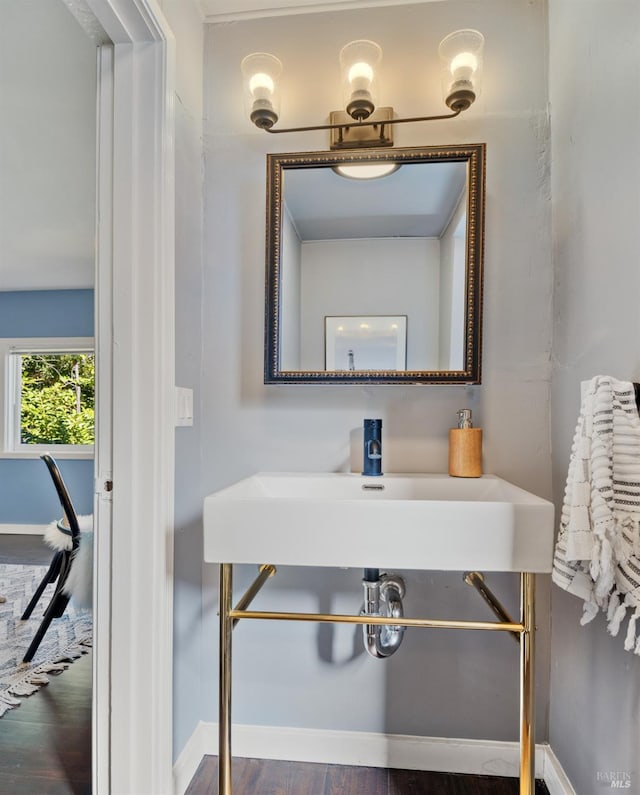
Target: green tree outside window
column 57, row 398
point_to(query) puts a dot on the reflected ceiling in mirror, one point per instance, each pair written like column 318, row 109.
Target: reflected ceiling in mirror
column 375, row 280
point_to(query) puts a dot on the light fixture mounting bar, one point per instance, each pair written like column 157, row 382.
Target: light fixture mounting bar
column 349, row 136
column 274, row 130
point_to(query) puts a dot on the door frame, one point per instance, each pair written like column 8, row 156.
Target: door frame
column 132, row 708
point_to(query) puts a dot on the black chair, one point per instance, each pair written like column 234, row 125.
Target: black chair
column 60, row 565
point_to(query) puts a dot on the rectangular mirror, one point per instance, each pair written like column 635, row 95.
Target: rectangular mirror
column 375, row 279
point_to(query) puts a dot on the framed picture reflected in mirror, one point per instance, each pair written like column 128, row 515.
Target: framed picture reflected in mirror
column 365, row 343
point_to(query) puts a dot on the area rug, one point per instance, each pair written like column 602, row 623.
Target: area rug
column 67, row 639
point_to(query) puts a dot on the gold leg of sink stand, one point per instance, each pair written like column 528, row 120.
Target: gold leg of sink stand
column 224, row 700
column 526, row 628
column 527, row 739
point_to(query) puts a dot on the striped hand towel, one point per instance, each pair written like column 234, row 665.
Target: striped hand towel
column 597, row 554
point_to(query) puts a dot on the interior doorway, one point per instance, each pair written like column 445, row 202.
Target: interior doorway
column 134, row 454
column 48, row 340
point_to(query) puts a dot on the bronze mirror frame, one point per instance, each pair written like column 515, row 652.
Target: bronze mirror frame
column 277, row 164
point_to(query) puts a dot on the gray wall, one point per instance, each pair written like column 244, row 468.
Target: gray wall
column 372, row 276
column 442, row 684
column 595, row 109
column 290, row 294
column 452, row 293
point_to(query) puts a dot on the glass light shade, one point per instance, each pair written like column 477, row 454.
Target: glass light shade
column 461, row 61
column 359, row 63
column 260, row 72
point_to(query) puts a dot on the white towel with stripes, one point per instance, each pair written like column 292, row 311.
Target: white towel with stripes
column 597, row 554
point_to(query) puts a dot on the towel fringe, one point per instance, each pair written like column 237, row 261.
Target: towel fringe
column 605, row 578
column 614, row 624
column 589, row 612
column 630, row 640
column 614, row 604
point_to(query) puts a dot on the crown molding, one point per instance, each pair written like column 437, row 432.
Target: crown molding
column 215, row 11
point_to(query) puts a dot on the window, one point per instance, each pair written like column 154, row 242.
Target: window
column 48, row 395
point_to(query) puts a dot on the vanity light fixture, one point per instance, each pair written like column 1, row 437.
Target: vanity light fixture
column 363, row 123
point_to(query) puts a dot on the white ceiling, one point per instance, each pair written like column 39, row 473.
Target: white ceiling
column 47, row 147
column 418, row 200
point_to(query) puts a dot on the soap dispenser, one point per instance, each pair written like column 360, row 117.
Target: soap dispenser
column 465, row 448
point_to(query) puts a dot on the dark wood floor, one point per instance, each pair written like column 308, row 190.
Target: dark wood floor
column 45, row 744
column 261, row 777
column 28, row 550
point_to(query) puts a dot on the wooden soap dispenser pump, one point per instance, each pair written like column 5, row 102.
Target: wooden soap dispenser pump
column 465, row 448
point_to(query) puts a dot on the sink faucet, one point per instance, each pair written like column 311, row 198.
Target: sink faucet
column 372, row 464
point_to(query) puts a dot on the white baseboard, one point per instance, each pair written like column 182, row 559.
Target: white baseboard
column 22, row 529
column 190, row 757
column 555, row 778
column 439, row 754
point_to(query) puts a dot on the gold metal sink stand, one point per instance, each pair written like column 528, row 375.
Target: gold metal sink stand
column 525, row 628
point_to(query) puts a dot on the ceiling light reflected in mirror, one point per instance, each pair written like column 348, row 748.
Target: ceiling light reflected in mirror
column 367, row 171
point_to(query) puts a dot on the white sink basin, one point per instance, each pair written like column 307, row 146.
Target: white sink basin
column 392, row 522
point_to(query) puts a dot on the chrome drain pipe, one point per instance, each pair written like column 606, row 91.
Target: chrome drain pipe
column 383, row 641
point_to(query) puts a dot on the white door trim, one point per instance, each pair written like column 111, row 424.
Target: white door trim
column 133, row 731
column 103, row 465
